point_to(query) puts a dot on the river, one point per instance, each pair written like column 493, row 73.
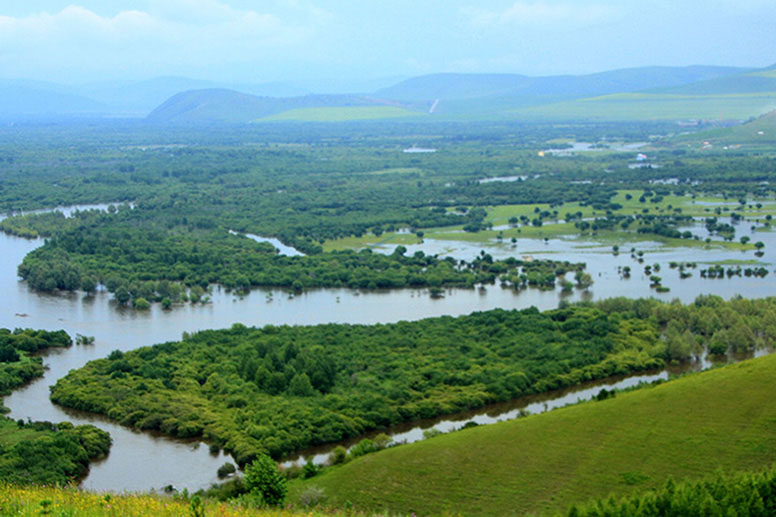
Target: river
column 142, row 461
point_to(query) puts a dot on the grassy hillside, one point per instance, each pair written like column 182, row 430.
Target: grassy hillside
column 723, row 418
column 656, row 106
column 228, row 106
column 758, row 132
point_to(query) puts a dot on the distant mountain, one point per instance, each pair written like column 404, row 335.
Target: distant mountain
column 138, row 98
column 229, row 106
column 33, row 99
column 471, row 86
column 39, row 99
column 456, row 96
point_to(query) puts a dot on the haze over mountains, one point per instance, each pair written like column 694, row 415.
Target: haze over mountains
column 177, row 100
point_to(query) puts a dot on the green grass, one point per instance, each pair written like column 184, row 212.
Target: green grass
column 724, row 418
column 11, row 434
column 662, row 106
column 341, row 114
column 500, row 215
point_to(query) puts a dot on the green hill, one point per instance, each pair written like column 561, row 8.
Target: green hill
column 736, row 96
column 758, row 132
column 687, row 428
column 654, row 106
column 218, row 105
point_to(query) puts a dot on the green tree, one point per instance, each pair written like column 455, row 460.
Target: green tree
column 263, row 478
column 300, row 386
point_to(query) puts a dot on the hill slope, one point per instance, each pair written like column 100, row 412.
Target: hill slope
column 229, row 106
column 722, row 418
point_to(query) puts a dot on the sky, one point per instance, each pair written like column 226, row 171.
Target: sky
column 261, row 41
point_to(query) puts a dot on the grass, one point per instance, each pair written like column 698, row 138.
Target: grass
column 500, row 215
column 647, row 106
column 35, row 501
column 720, row 419
column 341, row 114
column 11, row 434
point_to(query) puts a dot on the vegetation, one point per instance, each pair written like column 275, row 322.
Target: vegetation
column 18, row 365
column 263, row 480
column 36, row 500
column 141, row 264
column 42, row 452
column 736, row 494
column 280, row 389
column 687, row 428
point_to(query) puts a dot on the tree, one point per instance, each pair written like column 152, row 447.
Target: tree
column 263, row 478
column 122, row 295
column 300, row 386
column 584, row 280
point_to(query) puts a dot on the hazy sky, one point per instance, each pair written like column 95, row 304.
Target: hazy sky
column 270, row 40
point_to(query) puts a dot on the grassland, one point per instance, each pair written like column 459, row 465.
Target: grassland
column 499, row 216
column 35, row 501
column 720, row 419
column 342, row 114
column 656, row 106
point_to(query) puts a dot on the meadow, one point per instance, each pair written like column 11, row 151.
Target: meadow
column 685, row 429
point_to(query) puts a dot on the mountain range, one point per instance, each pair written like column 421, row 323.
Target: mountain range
column 617, row 94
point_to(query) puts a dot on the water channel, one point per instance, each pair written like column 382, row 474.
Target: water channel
column 143, row 461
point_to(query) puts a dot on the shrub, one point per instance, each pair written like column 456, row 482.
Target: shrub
column 338, row 455
column 141, row 304
column 365, row 446
column 226, row 469
column 311, row 496
column 263, row 478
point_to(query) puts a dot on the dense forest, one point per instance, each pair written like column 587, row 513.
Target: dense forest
column 136, row 259
column 280, row 389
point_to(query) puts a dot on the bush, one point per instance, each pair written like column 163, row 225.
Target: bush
column 141, row 304
column 226, row 469
column 311, row 496
column 263, row 478
column 310, row 469
column 338, row 455
column 365, row 446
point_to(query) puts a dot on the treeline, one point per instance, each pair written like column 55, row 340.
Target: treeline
column 136, row 258
column 751, row 494
column 280, row 389
column 18, row 365
column 46, row 453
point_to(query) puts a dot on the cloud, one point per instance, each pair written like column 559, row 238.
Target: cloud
column 172, row 36
column 542, row 14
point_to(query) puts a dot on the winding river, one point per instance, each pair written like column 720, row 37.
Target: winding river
column 144, row 461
